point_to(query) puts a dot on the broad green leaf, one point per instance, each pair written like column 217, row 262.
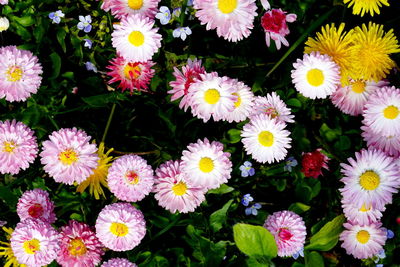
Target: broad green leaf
column 8, row 196
column 24, row 21
column 294, row 103
column 61, row 38
column 223, row 189
column 327, row 237
column 299, row 207
column 234, row 135
column 314, row 259
column 56, row 61
column 218, row 218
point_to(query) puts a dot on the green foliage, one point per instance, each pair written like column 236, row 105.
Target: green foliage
column 327, row 237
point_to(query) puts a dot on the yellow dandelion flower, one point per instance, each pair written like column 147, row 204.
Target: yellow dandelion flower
column 6, row 251
column 99, row 177
column 334, row 42
column 366, row 6
column 370, row 52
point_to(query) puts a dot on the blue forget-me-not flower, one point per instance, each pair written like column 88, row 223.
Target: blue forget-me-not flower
column 246, row 169
column 84, row 23
column 56, row 16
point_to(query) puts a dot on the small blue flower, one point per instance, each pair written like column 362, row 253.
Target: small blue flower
column 246, row 169
column 379, row 265
column 298, row 253
column 164, row 15
column 182, row 32
column 56, row 16
column 90, row 66
column 189, row 3
column 176, row 12
column 253, row 209
column 289, row 163
column 246, row 200
column 84, row 23
column 389, row 233
column 88, row 43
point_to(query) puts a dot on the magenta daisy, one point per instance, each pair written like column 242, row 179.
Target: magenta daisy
column 79, row 246
column 18, row 147
column 173, row 191
column 123, row 8
column 363, row 216
column 232, row 19
column 20, row 74
column 289, row 231
column 206, row 165
column 381, row 112
column 130, row 178
column 36, row 204
column 272, row 105
column 118, row 262
column 130, row 75
column 180, row 86
column 316, row 75
column 265, row 138
column 34, row 242
column 243, row 104
column 68, row 156
column 363, row 241
column 120, row 226
column 135, row 38
column 390, row 145
column 352, row 98
column 370, row 179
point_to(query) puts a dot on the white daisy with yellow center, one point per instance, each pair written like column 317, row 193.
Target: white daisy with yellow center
column 123, row 8
column 243, row 104
column 364, row 215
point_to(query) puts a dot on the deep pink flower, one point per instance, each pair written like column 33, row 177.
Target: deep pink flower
column 313, row 162
column 274, row 24
column 36, row 204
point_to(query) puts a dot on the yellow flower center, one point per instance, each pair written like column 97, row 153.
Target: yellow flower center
column 68, row 157
column 9, row 146
column 238, row 101
column 206, row 164
column 179, row 189
column 266, row 138
column 14, row 74
column 136, row 38
column 358, row 86
column 132, row 70
column 132, row 177
column 391, row 112
column 369, row 180
column 315, row 77
column 212, row 96
column 135, row 4
column 364, row 208
column 31, row 246
column 227, row 6
column 362, row 236
column 119, row 229
column 77, row 247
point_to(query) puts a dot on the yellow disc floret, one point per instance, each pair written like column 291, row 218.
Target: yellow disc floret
column 266, row 138
column 315, row 77
column 179, row 189
column 369, row 180
column 136, row 38
column 227, row 6
column 206, row 164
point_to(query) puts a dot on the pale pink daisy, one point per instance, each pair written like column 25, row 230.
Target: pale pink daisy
column 36, row 204
column 363, row 241
column 316, row 75
column 206, row 165
column 79, row 246
column 243, row 104
column 123, row 8
column 382, row 111
column 68, row 156
column 370, row 179
column 131, row 75
column 135, row 38
column 130, row 178
column 20, row 73
column 3, row 2
column 289, row 231
column 106, row 5
column 118, row 262
column 34, row 243
column 120, row 226
column 362, row 216
column 232, row 19
column 212, row 96
column 180, row 86
column 272, row 105
column 173, row 190
column 388, row 144
column 265, row 138
column 18, row 147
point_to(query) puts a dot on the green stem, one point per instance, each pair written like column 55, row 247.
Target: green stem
column 53, row 122
column 108, row 123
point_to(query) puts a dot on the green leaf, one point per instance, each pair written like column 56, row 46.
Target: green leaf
column 218, row 218
column 254, row 241
column 223, row 189
column 234, row 136
column 294, row 103
column 343, row 143
column 327, row 237
column 314, row 259
column 56, row 60
column 7, row 195
column 24, row 21
column 61, row 39
column 299, row 207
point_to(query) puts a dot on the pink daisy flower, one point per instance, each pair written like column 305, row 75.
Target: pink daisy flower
column 381, row 112
column 370, row 179
column 363, row 241
column 118, row 262
column 135, row 38
column 34, row 243
column 120, row 226
column 106, row 5
column 68, row 156
column 388, row 144
column 18, row 147
column 123, row 8
column 275, row 27
column 362, row 216
column 244, row 103
column 232, row 19
column 130, row 178
column 131, row 75
column 272, row 105
column 180, row 87
column 289, row 231
column 206, row 165
column 173, row 191
column 79, row 246
column 36, row 204
column 20, row 74
column 352, row 98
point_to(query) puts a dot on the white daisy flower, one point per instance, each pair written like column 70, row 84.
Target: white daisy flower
column 272, row 105
column 243, row 104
